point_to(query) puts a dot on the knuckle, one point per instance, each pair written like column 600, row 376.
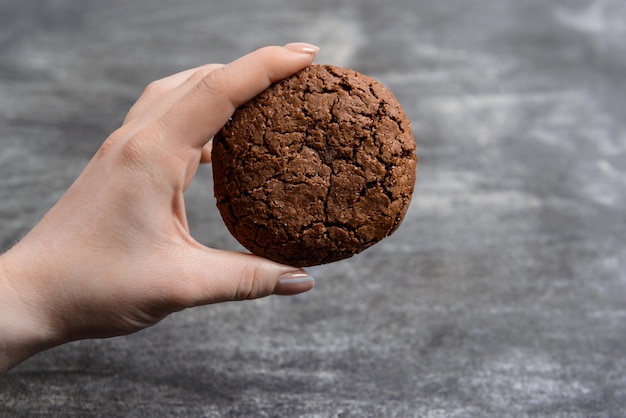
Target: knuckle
column 130, row 149
column 248, row 285
column 214, row 83
column 156, row 87
column 110, row 143
column 202, row 72
column 133, row 152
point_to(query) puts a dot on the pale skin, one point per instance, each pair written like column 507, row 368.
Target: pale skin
column 115, row 254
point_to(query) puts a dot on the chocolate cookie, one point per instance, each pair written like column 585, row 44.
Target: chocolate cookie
column 315, row 169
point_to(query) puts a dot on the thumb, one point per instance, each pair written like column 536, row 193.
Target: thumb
column 221, row 276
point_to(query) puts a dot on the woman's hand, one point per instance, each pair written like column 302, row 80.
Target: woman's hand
column 115, row 255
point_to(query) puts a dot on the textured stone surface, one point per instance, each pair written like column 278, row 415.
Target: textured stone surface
column 502, row 294
column 317, row 168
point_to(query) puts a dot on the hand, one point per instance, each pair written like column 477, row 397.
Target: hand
column 115, row 254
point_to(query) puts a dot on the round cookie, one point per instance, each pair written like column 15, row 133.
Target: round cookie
column 315, row 169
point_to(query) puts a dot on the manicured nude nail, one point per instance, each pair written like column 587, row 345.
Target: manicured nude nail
column 302, row 47
column 295, row 278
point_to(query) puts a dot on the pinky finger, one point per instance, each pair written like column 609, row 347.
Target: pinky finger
column 206, row 152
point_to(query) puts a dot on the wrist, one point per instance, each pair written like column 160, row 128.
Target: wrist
column 25, row 328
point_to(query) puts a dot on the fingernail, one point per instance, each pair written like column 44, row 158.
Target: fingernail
column 302, row 48
column 295, row 278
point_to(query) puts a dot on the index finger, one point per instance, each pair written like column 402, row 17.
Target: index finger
column 162, row 87
column 205, row 108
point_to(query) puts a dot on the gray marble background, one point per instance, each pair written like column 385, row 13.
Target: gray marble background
column 502, row 294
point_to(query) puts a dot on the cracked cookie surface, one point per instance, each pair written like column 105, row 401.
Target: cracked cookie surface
column 317, row 168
